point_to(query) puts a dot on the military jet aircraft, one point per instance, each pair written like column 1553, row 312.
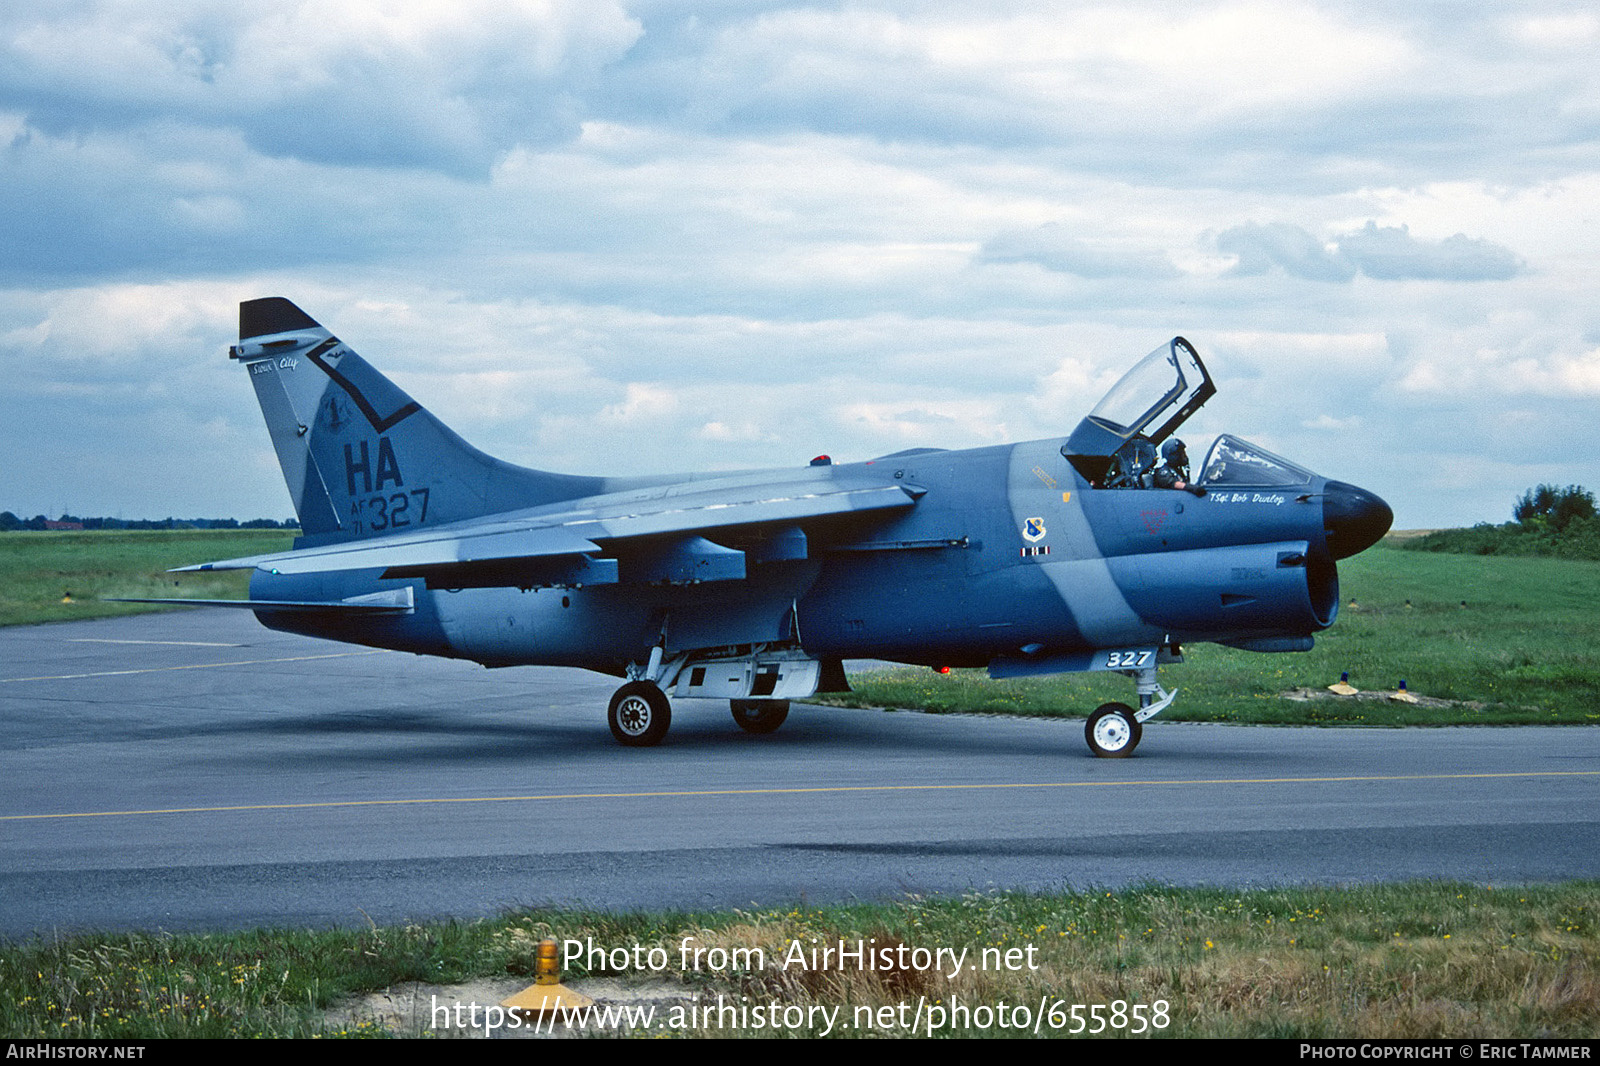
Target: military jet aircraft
column 1032, row 558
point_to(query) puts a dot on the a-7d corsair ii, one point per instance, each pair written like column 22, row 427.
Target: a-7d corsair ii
column 1032, row 558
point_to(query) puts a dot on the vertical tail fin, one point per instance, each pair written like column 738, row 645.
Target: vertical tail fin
column 361, row 458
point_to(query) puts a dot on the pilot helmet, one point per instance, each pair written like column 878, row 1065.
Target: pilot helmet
column 1174, row 453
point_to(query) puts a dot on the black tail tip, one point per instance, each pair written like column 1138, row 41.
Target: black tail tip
column 273, row 314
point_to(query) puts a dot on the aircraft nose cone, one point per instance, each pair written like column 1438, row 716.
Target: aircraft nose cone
column 1354, row 518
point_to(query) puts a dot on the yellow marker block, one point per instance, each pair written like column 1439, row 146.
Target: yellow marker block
column 538, row 1000
column 1066, row 497
column 1403, row 696
column 547, row 993
column 1343, row 688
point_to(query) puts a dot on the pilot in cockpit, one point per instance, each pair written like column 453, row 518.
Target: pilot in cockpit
column 1174, row 470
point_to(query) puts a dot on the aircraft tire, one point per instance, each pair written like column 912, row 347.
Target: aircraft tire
column 640, row 714
column 1112, row 731
column 759, row 716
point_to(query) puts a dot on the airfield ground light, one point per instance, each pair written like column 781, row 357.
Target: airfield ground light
column 547, row 994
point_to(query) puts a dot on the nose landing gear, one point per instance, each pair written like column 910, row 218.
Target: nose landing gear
column 1115, row 729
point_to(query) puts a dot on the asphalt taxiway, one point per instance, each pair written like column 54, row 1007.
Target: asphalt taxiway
column 192, row 770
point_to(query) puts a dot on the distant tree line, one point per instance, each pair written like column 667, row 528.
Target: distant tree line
column 10, row 523
column 1547, row 520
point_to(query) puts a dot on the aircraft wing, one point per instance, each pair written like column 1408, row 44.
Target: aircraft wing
column 589, row 526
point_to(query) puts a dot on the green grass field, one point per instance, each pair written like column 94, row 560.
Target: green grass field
column 59, row 576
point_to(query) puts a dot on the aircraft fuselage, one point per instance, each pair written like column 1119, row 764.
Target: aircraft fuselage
column 1008, row 548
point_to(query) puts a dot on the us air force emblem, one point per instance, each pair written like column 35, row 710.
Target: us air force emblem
column 1033, row 530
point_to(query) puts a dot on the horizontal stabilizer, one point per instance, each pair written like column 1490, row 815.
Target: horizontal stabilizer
column 390, row 601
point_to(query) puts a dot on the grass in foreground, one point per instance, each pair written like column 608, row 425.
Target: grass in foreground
column 58, row 576
column 1419, row 960
column 1516, row 640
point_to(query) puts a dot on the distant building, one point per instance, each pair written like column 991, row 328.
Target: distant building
column 48, row 524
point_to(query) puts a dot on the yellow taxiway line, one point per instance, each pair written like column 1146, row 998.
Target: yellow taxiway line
column 810, row 790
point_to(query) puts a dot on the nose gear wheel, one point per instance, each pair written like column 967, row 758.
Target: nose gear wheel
column 1112, row 731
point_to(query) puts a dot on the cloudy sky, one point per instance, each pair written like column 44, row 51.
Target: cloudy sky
column 637, row 236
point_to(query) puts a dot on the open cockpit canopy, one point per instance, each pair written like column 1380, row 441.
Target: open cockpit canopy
column 1143, row 409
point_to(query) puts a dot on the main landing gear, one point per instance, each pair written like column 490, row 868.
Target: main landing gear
column 1114, row 729
column 757, row 680
column 759, row 716
column 640, row 714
